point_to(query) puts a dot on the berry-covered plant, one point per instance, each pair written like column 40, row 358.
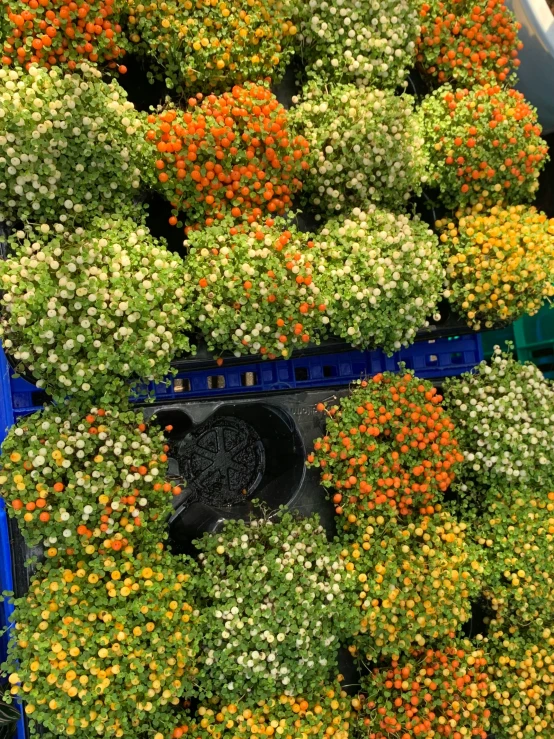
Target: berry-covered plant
column 388, row 447
column 328, row 713
column 86, row 310
column 205, row 45
column 434, row 692
column 105, row 647
column 413, row 582
column 369, row 42
column 70, row 145
column 500, row 263
column 78, row 480
column 365, row 144
column 468, row 44
column 503, row 415
column 254, row 292
column 280, row 634
column 228, row 155
column 520, row 666
column 516, row 529
column 54, row 32
column 484, row 145
column 380, row 275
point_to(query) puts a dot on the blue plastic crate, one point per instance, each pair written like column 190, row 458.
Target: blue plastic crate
column 429, row 359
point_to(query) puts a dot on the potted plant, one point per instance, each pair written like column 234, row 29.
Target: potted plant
column 380, row 275
column 370, row 43
column 389, row 448
column 117, row 648
column 536, row 18
column 71, row 146
column 256, row 291
column 518, row 664
column 364, row 144
column 426, row 691
column 194, row 46
column 81, row 480
column 51, row 34
column 500, row 263
column 446, row 48
column 230, row 155
column 87, row 310
column 327, row 713
column 413, row 581
column 281, row 634
column 515, row 526
column 502, row 415
column 484, row 145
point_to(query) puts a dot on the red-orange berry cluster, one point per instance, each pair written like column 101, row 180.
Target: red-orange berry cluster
column 433, row 693
column 64, row 32
column 483, row 144
column 388, row 444
column 227, row 155
column 467, row 43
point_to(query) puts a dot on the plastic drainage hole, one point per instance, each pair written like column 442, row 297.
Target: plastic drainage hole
column 216, row 382
column 248, row 379
column 223, row 461
column 329, row 371
column 301, row 374
column 181, row 385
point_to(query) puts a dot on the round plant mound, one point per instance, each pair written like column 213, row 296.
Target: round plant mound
column 520, row 665
column 423, row 693
column 281, row 633
column 516, row 528
column 500, row 264
column 59, row 33
column 484, row 145
column 70, row 145
column 413, row 582
column 117, row 646
column 254, row 292
column 369, row 42
column 503, row 415
column 194, row 46
column 328, row 713
column 78, row 480
column 365, row 144
column 228, row 155
column 86, row 310
column 380, row 275
column 447, row 48
column 389, row 446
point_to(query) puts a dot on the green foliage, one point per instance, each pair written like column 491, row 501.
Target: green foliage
column 71, row 146
column 380, row 275
column 273, row 609
column 87, row 310
column 413, row 582
column 104, row 646
column 369, row 42
column 79, row 479
column 365, row 144
column 503, row 414
column 255, row 292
